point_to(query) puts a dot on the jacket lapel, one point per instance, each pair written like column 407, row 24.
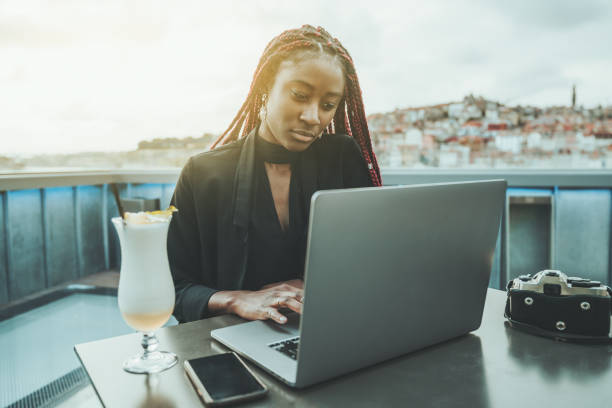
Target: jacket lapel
column 232, row 273
column 243, row 183
column 309, row 170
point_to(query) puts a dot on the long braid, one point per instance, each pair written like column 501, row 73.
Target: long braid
column 350, row 115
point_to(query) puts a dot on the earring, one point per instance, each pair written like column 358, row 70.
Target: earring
column 263, row 111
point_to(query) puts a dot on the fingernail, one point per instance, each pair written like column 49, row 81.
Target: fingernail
column 283, row 319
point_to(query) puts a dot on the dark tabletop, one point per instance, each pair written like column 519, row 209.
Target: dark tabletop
column 495, row 366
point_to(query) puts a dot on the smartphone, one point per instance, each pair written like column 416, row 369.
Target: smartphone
column 223, row 379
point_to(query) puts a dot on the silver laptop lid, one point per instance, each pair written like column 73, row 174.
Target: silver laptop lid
column 394, row 269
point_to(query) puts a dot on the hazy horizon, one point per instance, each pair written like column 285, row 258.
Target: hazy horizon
column 89, row 76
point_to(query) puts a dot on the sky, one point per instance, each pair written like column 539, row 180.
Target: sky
column 91, row 75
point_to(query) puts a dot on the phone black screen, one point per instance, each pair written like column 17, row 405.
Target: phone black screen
column 223, row 376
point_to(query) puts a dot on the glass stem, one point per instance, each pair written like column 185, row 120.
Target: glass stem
column 149, row 344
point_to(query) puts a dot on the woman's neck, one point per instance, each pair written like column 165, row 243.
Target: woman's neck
column 273, row 153
column 264, row 132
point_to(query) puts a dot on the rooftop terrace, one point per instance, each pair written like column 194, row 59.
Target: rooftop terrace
column 55, row 230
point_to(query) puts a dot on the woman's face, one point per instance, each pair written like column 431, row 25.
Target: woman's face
column 302, row 101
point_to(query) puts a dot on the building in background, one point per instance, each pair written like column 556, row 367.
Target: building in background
column 478, row 133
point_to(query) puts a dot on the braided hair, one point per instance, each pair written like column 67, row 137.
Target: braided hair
column 293, row 44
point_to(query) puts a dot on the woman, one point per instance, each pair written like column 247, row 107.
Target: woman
column 237, row 244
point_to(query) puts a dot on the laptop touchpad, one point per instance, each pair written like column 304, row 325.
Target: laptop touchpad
column 292, row 327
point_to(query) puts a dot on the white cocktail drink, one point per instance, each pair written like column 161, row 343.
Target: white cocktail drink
column 146, row 290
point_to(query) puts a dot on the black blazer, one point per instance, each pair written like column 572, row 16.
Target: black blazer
column 208, row 236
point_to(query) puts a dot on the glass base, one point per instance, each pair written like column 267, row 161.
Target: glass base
column 154, row 362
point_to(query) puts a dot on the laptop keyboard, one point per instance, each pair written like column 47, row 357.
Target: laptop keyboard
column 288, row 347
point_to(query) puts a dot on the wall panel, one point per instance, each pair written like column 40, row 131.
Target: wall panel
column 91, row 234
column 167, row 191
column 25, row 238
column 582, row 233
column 529, row 239
column 62, row 264
column 4, row 283
column 147, row 190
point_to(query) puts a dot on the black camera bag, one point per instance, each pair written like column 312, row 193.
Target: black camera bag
column 561, row 317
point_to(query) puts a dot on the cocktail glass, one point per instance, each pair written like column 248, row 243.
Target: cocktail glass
column 146, row 290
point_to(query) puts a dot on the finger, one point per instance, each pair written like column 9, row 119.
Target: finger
column 279, row 301
column 289, row 302
column 298, row 294
column 293, row 304
column 271, row 313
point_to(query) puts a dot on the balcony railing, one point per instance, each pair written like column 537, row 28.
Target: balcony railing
column 55, row 227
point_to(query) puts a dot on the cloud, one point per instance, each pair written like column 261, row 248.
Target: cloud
column 75, row 73
column 560, row 15
column 68, row 23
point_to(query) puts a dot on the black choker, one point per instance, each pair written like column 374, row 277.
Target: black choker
column 273, row 153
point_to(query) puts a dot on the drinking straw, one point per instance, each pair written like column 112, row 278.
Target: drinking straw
column 117, row 200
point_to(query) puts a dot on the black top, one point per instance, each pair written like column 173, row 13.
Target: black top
column 226, row 234
column 275, row 254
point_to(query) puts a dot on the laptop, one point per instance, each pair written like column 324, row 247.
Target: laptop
column 389, row 270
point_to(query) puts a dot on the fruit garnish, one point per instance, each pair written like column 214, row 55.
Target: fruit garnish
column 150, row 217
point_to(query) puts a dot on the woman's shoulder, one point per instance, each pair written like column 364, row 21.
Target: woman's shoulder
column 215, row 164
column 220, row 156
column 337, row 143
column 336, row 140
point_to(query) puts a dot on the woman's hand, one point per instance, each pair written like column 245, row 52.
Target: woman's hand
column 259, row 305
column 265, row 304
column 290, row 284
